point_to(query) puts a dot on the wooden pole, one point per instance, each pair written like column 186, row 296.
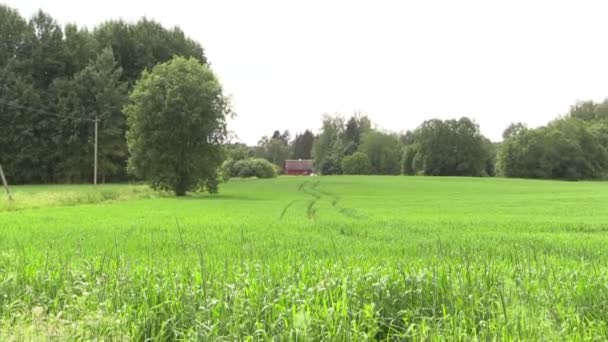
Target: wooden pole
column 95, row 153
column 8, row 192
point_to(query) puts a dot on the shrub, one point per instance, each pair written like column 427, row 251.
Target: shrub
column 250, row 167
column 227, row 169
column 331, row 166
column 356, row 164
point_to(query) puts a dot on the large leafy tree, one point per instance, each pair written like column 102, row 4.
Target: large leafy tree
column 568, row 148
column 356, row 164
column 447, row 148
column 384, row 152
column 177, row 121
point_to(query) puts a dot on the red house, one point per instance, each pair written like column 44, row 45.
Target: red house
column 298, row 167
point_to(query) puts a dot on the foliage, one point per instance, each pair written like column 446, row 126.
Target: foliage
column 94, row 92
column 590, row 111
column 338, row 139
column 408, row 166
column 355, row 127
column 275, row 149
column 53, row 78
column 384, row 152
column 250, row 167
column 448, row 148
column 568, row 148
column 177, row 122
column 302, row 145
column 331, row 165
column 143, row 45
column 513, row 130
column 237, row 151
column 356, row 164
column 328, row 144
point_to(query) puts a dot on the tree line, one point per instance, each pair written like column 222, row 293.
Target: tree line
column 572, row 147
column 55, row 81
column 355, row 146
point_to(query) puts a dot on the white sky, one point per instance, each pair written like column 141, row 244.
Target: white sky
column 285, row 63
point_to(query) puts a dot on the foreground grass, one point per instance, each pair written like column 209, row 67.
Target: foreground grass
column 326, row 258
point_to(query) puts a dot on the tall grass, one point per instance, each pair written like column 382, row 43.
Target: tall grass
column 383, row 258
column 26, row 197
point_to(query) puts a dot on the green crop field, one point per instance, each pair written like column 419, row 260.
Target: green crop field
column 308, row 258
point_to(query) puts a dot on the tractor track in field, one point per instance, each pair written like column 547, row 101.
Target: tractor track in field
column 310, row 210
column 311, row 188
column 285, row 208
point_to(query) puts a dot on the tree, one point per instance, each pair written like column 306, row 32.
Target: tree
column 15, row 33
column 569, row 148
column 384, row 152
column 285, row 137
column 51, row 79
column 328, row 144
column 356, row 164
column 177, row 122
column 275, row 149
column 80, row 49
column 352, row 136
column 331, row 165
column 407, row 161
column 48, row 53
column 302, row 145
column 356, row 126
column 448, row 148
column 238, row 151
column 590, row 111
column 94, row 92
column 513, row 130
column 23, row 153
column 143, row 45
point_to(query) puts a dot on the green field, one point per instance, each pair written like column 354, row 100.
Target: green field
column 314, row 258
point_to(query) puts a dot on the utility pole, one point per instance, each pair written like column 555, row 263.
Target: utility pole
column 95, row 153
column 8, row 192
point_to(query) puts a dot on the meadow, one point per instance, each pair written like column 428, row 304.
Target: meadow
column 308, row 258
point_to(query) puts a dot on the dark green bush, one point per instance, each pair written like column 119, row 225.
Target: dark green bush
column 250, row 167
column 356, row 164
column 331, row 166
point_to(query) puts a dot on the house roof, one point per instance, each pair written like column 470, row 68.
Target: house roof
column 298, row 165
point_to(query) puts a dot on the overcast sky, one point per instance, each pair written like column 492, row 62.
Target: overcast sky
column 285, row 63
